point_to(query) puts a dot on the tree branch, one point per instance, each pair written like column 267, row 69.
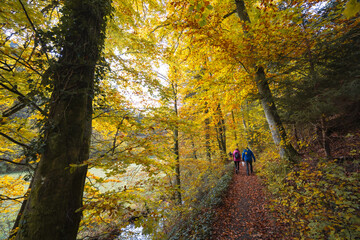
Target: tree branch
column 160, row 26
column 244, row 67
column 27, row 16
column 14, row 141
column 22, row 63
column 229, row 14
column 14, row 109
column 33, row 27
column 23, row 98
column 3, row 197
column 241, row 11
column 9, row 161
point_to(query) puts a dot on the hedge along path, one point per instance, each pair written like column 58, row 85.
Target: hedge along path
column 243, row 213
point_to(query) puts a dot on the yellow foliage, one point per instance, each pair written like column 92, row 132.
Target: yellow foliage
column 323, row 197
column 352, row 8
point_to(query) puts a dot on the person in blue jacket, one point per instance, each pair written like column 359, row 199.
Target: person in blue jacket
column 248, row 156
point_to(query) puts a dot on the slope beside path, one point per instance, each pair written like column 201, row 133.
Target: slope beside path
column 243, row 213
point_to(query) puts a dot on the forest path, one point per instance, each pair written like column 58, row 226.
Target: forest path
column 243, row 214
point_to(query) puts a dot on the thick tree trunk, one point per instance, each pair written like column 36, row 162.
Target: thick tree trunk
column 20, row 213
column 53, row 210
column 276, row 127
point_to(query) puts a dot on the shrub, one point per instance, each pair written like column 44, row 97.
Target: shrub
column 319, row 200
column 196, row 223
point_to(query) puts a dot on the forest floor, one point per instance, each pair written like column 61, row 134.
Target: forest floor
column 244, row 213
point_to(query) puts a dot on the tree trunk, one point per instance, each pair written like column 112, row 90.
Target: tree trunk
column 245, row 115
column 53, row 210
column 176, row 151
column 296, row 136
column 207, row 136
column 177, row 167
column 235, row 128
column 194, row 148
column 276, row 127
column 325, row 138
column 20, row 213
column 221, row 131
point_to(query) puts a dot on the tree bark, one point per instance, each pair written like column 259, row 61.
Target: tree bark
column 176, row 151
column 325, row 138
column 53, row 210
column 177, row 167
column 245, row 115
column 276, row 127
column 194, row 148
column 241, row 11
column 275, row 124
column 235, row 128
column 207, row 135
column 221, row 133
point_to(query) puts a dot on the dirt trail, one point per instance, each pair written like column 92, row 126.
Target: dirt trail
column 243, row 214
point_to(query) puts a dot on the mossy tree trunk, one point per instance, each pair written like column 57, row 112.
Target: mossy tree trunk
column 53, row 210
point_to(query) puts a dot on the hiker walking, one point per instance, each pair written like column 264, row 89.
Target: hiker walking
column 248, row 156
column 237, row 159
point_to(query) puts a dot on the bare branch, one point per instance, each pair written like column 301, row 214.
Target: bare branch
column 4, row 198
column 14, row 141
column 244, row 67
column 160, row 26
column 9, row 161
column 27, row 16
column 14, row 109
column 24, row 63
column 33, row 27
column 22, row 98
column 229, row 14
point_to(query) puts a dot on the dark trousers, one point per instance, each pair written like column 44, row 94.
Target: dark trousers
column 237, row 165
column 249, row 163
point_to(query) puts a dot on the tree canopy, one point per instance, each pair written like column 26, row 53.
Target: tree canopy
column 125, row 111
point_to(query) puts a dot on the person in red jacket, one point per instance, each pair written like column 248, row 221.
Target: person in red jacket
column 237, row 159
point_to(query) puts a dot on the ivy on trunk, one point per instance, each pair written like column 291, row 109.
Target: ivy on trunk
column 58, row 184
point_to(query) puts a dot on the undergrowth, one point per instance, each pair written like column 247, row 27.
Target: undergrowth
column 196, row 223
column 316, row 199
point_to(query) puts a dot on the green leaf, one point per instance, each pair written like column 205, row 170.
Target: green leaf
column 202, row 23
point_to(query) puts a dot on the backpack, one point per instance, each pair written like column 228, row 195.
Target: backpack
column 237, row 155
